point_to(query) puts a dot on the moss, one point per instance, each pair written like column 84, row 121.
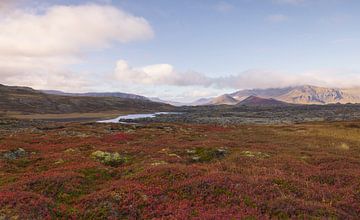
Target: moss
column 95, row 174
column 280, row 215
column 92, row 177
column 222, row 191
column 248, row 202
column 21, row 163
column 324, row 179
column 110, row 159
column 7, row 180
column 283, row 184
column 206, row 154
column 249, row 218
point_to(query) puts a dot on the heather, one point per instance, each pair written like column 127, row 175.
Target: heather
column 179, row 171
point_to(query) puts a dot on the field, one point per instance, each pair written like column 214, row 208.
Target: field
column 53, row 170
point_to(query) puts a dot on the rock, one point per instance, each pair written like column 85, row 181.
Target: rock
column 60, row 161
column 174, row 155
column 221, row 151
column 195, row 158
column 15, row 154
column 158, row 163
column 70, row 150
column 188, row 151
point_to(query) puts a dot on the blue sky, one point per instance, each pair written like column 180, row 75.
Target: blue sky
column 202, row 48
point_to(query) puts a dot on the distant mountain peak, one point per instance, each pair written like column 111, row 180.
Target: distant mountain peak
column 225, row 99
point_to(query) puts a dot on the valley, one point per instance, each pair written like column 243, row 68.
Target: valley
column 258, row 159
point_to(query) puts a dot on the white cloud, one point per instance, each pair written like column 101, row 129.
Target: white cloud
column 265, row 79
column 166, row 75
column 158, row 74
column 37, row 47
column 68, row 30
column 276, row 18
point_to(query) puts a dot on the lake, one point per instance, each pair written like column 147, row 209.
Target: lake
column 136, row 116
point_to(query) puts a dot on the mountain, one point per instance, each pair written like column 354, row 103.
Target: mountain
column 26, row 100
column 224, row 100
column 305, row 94
column 202, row 101
column 155, row 99
column 258, row 101
column 97, row 94
column 320, row 95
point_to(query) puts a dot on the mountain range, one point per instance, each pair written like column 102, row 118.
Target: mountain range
column 27, row 100
column 305, row 94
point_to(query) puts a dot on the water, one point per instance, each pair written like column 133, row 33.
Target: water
column 135, row 116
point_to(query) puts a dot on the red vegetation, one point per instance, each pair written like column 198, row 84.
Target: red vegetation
column 26, row 205
column 173, row 171
column 116, row 138
column 120, row 200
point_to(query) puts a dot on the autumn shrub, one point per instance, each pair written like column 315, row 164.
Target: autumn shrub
column 168, row 175
column 119, row 200
column 25, row 205
column 292, row 208
column 212, row 188
column 60, row 186
column 118, row 137
column 187, row 209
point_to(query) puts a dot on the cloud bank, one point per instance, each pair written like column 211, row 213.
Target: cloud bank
column 166, row 75
column 159, row 74
column 38, row 46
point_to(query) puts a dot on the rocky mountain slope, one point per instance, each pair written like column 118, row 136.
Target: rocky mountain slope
column 29, row 101
column 298, row 95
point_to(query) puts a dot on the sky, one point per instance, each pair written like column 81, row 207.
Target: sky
column 179, row 50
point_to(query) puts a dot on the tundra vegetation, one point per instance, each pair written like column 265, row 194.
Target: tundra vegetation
column 53, row 170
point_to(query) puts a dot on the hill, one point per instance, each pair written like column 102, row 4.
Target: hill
column 258, row 101
column 97, row 94
column 29, row 101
